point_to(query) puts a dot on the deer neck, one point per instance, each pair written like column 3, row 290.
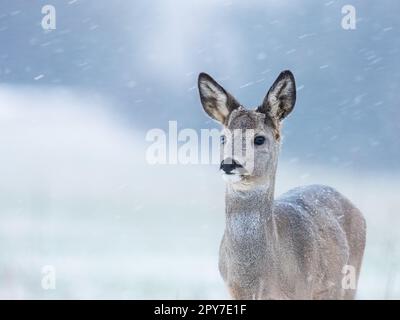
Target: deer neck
column 257, row 201
column 247, row 213
column 246, row 239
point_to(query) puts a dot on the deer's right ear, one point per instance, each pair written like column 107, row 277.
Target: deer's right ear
column 217, row 103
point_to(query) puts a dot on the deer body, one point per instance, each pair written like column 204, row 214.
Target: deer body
column 293, row 247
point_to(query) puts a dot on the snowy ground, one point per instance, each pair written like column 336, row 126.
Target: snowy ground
column 77, row 194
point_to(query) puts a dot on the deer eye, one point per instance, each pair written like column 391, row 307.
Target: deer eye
column 259, row 140
column 222, row 139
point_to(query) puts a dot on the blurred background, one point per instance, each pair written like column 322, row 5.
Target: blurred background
column 76, row 192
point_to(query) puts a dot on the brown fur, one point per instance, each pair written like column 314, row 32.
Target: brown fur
column 293, row 247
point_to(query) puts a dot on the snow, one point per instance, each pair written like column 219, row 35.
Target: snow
column 75, row 191
column 38, row 77
column 112, row 226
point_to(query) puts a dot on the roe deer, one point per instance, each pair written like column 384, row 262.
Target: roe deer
column 297, row 246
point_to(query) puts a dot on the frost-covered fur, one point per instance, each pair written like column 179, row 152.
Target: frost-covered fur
column 293, row 247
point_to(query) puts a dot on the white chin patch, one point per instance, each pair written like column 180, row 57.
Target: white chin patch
column 232, row 178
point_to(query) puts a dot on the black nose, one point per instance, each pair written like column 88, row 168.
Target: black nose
column 229, row 164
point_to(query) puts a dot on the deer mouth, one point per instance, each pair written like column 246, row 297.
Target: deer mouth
column 236, row 175
column 232, row 177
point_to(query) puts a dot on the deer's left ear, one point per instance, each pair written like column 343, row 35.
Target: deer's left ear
column 280, row 99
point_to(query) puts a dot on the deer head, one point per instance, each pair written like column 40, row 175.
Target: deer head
column 250, row 139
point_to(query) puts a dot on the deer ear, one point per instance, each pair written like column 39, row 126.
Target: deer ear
column 217, row 103
column 280, row 99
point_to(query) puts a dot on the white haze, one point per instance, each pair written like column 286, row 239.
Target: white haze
column 76, row 193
